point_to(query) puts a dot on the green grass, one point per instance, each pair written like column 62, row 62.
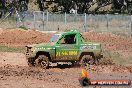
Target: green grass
column 23, row 27
column 4, row 48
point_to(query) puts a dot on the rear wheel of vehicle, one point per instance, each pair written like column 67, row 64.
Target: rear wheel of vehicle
column 30, row 62
column 42, row 61
column 87, row 60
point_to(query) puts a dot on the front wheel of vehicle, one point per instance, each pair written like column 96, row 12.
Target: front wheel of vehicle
column 87, row 60
column 42, row 61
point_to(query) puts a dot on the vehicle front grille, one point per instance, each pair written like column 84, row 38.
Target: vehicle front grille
column 28, row 49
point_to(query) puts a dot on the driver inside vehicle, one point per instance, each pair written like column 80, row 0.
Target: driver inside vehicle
column 70, row 39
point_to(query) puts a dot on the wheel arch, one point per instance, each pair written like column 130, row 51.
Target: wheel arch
column 43, row 53
column 86, row 53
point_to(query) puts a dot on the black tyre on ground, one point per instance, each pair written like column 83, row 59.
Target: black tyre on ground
column 42, row 61
column 87, row 60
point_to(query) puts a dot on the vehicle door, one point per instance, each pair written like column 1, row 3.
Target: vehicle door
column 67, row 48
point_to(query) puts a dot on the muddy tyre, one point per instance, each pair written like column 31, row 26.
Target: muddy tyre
column 87, row 60
column 42, row 61
column 30, row 62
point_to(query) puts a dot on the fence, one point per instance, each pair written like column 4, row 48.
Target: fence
column 45, row 21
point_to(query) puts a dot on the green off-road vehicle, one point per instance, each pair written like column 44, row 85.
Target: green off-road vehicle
column 66, row 46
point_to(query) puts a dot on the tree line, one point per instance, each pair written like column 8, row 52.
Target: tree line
column 61, row 6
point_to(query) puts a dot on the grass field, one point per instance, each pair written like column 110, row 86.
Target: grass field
column 4, row 48
column 117, row 58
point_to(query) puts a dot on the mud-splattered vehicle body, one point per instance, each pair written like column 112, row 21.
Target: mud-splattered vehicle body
column 66, row 46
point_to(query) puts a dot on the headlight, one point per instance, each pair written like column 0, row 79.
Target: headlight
column 28, row 49
column 32, row 49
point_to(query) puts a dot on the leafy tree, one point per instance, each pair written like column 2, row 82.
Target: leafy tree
column 83, row 6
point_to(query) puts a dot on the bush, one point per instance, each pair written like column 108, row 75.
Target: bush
column 23, row 27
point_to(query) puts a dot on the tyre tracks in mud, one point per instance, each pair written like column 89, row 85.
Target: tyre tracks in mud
column 67, row 77
column 53, row 76
column 15, row 72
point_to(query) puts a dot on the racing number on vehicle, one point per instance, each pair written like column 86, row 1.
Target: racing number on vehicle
column 67, row 49
column 66, row 53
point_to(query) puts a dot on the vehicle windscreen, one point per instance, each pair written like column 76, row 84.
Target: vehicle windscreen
column 55, row 38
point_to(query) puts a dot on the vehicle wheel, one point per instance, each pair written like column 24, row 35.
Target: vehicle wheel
column 87, row 60
column 42, row 61
column 30, row 62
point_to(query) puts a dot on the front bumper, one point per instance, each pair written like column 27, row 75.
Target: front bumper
column 29, row 52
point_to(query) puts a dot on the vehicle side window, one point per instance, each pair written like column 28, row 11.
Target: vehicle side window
column 68, row 39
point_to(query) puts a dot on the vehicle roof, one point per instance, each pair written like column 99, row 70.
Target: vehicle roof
column 68, row 32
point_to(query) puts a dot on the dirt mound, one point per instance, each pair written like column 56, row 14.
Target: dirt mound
column 1, row 30
column 110, row 41
column 23, row 37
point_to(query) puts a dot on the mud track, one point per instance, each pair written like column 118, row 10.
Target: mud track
column 14, row 75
